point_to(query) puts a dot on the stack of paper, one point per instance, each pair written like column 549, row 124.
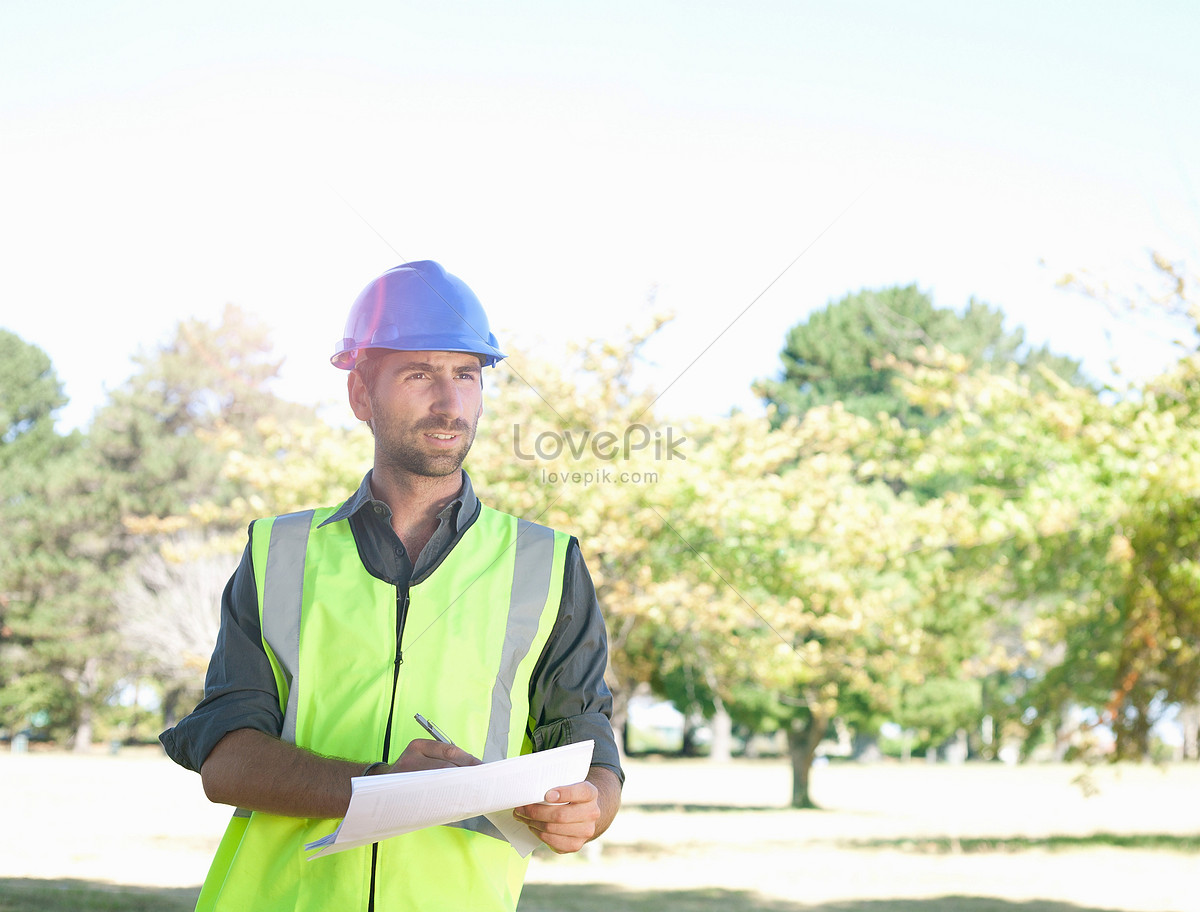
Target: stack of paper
column 398, row 803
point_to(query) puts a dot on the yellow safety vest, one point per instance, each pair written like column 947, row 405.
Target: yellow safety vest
column 473, row 633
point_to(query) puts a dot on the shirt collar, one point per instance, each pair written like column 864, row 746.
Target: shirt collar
column 462, row 508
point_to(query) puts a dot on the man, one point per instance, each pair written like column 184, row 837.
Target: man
column 341, row 623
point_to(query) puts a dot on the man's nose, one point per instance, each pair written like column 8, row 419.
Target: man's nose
column 447, row 400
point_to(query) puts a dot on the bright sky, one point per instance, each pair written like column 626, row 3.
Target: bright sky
column 572, row 161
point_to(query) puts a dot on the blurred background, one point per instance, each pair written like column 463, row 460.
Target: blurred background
column 892, row 309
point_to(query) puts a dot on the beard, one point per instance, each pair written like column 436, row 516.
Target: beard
column 406, row 450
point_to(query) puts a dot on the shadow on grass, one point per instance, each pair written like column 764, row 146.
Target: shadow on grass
column 24, row 894
column 942, row 845
column 675, row 808
column 67, row 895
column 605, row 898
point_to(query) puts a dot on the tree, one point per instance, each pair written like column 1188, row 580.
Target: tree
column 30, row 394
column 751, row 560
column 169, row 614
column 84, row 519
column 1094, row 506
column 156, row 433
column 839, row 353
column 166, row 438
column 858, row 351
column 57, row 578
column 824, row 589
column 32, row 455
column 938, row 707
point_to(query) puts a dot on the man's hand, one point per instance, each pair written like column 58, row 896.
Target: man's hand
column 574, row 814
column 426, row 754
column 254, row 770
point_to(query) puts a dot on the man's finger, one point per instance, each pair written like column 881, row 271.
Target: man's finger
column 455, row 756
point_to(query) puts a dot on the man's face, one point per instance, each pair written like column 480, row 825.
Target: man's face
column 422, row 406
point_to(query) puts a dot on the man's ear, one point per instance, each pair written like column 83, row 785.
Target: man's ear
column 360, row 399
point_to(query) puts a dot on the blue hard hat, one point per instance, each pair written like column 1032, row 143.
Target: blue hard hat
column 417, row 307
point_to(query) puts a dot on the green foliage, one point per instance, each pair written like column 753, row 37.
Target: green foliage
column 52, row 569
column 156, row 435
column 778, row 571
column 30, row 394
column 60, row 651
column 82, row 512
column 1089, row 505
column 846, row 351
column 936, row 708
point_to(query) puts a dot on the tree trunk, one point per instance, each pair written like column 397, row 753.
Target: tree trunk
column 83, row 731
column 687, row 744
column 1144, row 729
column 171, row 699
column 1189, row 720
column 803, row 738
column 865, row 748
column 87, row 688
column 721, row 750
column 620, row 718
column 1133, row 736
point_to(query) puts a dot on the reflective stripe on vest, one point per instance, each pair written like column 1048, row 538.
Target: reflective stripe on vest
column 283, row 590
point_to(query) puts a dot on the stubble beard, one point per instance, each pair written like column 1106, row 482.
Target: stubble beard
column 403, row 451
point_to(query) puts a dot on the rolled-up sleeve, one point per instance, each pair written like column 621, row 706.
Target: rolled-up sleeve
column 569, row 700
column 239, row 689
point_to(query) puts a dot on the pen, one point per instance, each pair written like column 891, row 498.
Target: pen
column 436, row 732
column 439, row 735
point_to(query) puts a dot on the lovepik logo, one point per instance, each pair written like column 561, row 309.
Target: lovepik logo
column 605, row 445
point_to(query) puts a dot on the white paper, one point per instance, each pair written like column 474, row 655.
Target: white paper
column 519, row 836
column 398, row 803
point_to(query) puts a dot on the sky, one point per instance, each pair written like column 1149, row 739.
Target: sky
column 583, row 166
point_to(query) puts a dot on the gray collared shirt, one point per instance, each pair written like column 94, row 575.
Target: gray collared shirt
column 568, row 698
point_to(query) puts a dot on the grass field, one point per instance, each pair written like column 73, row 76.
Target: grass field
column 133, row 832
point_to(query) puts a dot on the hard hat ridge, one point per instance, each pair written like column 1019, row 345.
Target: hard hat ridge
column 417, row 306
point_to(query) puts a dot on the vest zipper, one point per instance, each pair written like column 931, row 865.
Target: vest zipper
column 401, row 618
